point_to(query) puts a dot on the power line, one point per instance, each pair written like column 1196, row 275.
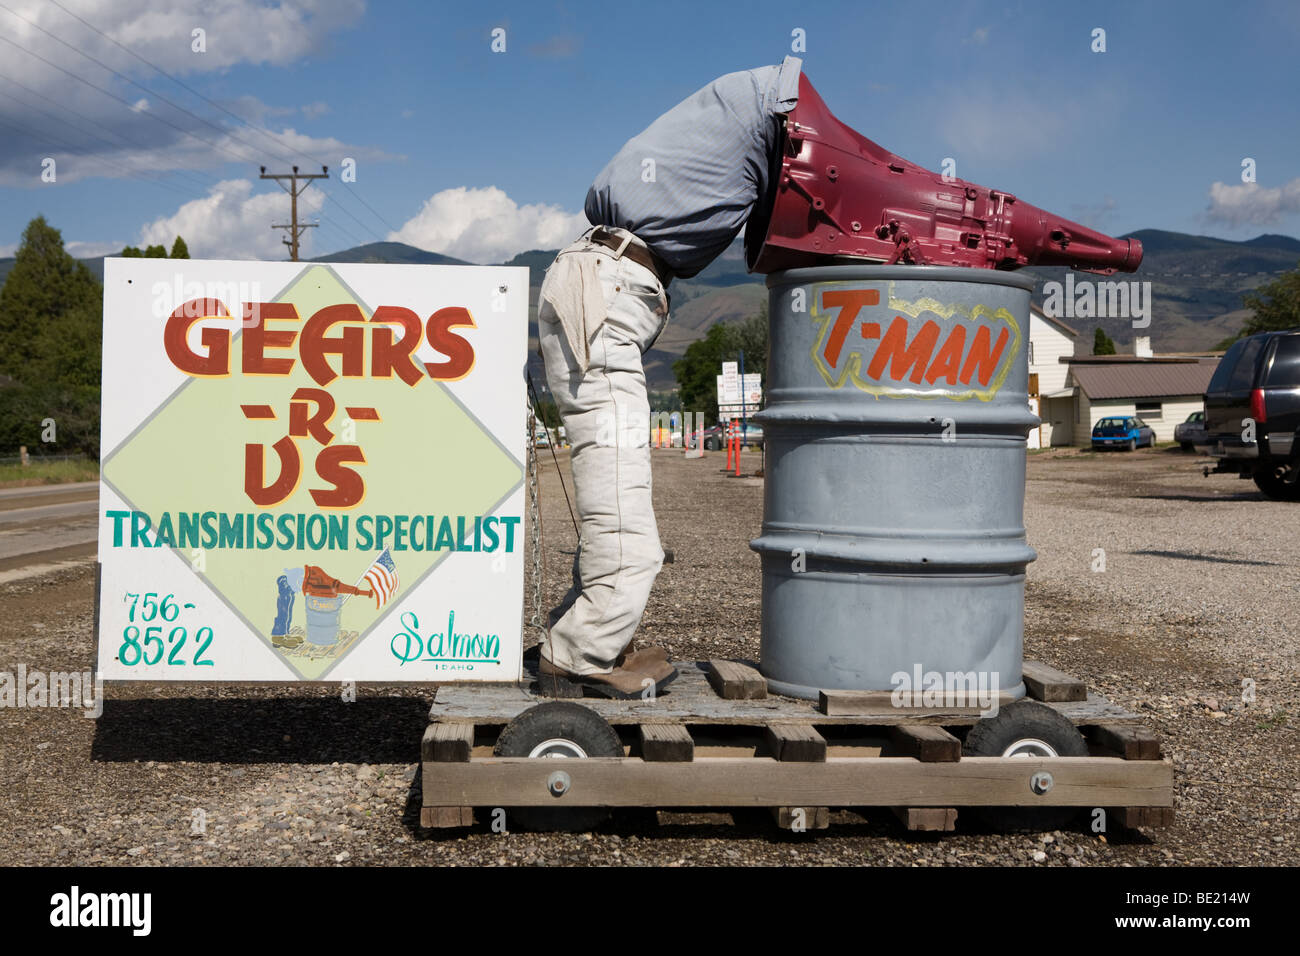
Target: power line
column 354, row 193
column 123, row 76
column 73, row 149
column 196, row 178
column 161, row 119
column 112, row 96
column 228, row 150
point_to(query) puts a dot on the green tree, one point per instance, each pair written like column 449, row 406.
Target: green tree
column 1276, row 304
column 698, row 369
column 50, row 326
column 45, row 295
column 179, row 251
column 1102, row 344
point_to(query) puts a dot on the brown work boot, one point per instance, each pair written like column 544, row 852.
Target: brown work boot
column 661, row 672
column 642, row 659
column 620, row 683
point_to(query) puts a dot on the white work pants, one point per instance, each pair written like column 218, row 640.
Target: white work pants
column 606, row 418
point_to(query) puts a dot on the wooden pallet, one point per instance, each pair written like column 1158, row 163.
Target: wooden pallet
column 715, row 738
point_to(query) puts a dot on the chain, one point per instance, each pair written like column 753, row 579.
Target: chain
column 535, row 521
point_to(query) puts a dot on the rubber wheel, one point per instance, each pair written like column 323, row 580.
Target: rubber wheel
column 1132, row 444
column 711, row 445
column 1025, row 728
column 1276, row 488
column 558, row 729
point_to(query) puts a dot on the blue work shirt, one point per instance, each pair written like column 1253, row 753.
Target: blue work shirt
column 687, row 184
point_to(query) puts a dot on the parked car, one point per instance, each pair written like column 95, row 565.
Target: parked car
column 1127, row 432
column 1191, row 432
column 1252, row 413
column 541, row 437
column 715, row 438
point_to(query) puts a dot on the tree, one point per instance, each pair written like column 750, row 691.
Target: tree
column 697, row 370
column 50, row 327
column 1276, row 305
column 45, row 295
column 1102, row 344
column 179, row 251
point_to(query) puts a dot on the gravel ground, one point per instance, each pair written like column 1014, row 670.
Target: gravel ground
column 1199, row 593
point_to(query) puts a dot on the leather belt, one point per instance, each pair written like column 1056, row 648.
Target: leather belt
column 642, row 255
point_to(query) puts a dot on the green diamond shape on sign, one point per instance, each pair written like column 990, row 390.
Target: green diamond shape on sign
column 426, row 455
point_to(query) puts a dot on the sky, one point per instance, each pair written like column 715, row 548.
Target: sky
column 128, row 123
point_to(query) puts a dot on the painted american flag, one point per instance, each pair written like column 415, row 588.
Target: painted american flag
column 382, row 578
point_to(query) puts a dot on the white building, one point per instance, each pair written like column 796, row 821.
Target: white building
column 1051, row 344
column 1161, row 390
column 1075, row 392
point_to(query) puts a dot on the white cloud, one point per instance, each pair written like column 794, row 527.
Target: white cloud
column 979, row 37
column 1250, row 204
column 235, row 31
column 89, row 250
column 484, row 225
column 233, row 223
column 133, row 130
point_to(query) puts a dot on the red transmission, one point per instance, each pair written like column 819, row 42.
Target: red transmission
column 838, row 194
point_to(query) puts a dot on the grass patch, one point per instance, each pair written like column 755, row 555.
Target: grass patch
column 1276, row 720
column 48, row 472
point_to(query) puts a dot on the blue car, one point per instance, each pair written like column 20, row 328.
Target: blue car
column 1128, row 432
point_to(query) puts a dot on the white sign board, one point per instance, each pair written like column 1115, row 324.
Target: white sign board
column 311, row 471
column 729, row 389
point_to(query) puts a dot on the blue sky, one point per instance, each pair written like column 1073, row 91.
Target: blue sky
column 481, row 155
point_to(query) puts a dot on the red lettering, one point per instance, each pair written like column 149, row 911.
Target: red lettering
column 848, row 301
column 460, row 354
column 349, row 488
column 283, row 486
column 257, row 338
column 216, row 341
column 350, row 345
column 894, row 349
column 982, row 357
column 301, row 425
column 387, row 358
column 948, row 361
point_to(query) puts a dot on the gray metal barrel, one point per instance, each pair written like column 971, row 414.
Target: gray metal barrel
column 893, row 534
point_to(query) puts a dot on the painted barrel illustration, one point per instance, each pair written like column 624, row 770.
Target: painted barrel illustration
column 323, row 619
column 893, row 539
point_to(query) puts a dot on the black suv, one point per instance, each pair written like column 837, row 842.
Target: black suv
column 1252, row 413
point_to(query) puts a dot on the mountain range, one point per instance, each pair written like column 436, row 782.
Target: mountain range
column 1196, row 285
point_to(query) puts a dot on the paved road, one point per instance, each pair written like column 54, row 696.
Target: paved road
column 46, row 526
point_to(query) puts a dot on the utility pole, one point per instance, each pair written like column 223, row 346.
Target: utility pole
column 295, row 227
